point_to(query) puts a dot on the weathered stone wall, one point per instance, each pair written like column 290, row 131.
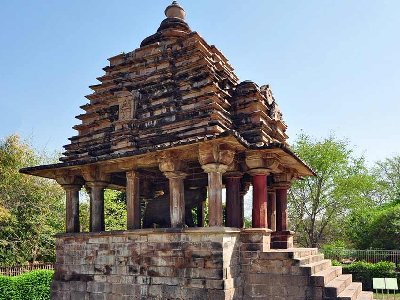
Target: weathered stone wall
column 217, row 263
column 200, row 263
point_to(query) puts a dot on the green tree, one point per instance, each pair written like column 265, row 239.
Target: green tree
column 31, row 208
column 377, row 228
column 388, row 173
column 318, row 205
column 114, row 210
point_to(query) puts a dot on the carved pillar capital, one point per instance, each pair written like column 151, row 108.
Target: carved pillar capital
column 259, row 163
column 169, row 163
column 96, row 184
column 214, row 152
column 283, row 180
column 94, row 174
column 72, row 187
column 65, row 178
column 214, row 167
column 132, row 174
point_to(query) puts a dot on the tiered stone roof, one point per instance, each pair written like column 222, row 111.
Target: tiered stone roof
column 175, row 88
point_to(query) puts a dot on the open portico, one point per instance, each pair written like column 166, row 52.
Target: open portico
column 212, row 164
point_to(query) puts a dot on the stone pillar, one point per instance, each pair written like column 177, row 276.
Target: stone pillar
column 233, row 200
column 215, row 172
column 89, row 192
column 215, row 158
column 176, row 198
column 282, row 238
column 259, row 212
column 271, row 209
column 97, row 206
column 72, row 207
column 260, row 164
column 200, row 214
column 132, row 200
column 281, row 208
column 172, row 167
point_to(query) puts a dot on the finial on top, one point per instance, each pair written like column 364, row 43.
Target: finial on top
column 174, row 10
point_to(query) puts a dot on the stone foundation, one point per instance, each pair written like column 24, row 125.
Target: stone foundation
column 193, row 263
column 197, row 263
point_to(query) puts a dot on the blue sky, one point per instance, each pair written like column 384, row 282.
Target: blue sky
column 334, row 66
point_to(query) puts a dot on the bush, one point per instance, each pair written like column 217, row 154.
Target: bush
column 34, row 285
column 364, row 272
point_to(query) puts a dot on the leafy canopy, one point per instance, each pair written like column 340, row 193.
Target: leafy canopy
column 317, row 205
column 31, row 208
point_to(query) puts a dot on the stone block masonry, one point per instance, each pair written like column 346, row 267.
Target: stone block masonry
column 196, row 263
column 218, row 263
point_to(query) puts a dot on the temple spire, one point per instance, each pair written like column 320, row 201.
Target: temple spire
column 174, row 10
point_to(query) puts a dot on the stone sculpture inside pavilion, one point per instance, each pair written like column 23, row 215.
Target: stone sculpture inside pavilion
column 171, row 125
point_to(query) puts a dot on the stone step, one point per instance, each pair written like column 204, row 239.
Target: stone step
column 310, row 259
column 337, row 285
column 316, row 267
column 325, row 276
column 302, row 252
column 351, row 292
column 365, row 296
column 292, row 253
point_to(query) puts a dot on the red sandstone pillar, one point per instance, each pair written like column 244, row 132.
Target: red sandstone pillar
column 282, row 238
column 233, row 201
column 271, row 208
column 132, row 200
column 259, row 213
column 72, row 207
column 281, row 208
column 97, row 206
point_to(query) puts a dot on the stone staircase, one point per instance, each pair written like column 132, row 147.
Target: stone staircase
column 295, row 274
column 326, row 281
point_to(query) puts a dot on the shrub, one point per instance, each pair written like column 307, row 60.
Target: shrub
column 34, row 285
column 364, row 272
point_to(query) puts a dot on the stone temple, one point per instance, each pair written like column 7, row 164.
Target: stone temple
column 171, row 125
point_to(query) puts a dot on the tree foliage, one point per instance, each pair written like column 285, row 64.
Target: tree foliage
column 388, row 174
column 31, row 208
column 377, row 228
column 317, row 205
column 115, row 216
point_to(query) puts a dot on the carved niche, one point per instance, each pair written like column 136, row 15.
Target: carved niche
column 127, row 104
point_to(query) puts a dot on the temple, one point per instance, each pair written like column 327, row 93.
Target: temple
column 172, row 126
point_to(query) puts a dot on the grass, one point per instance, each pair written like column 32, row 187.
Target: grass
column 388, row 297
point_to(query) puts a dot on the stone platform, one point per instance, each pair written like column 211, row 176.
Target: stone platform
column 193, row 263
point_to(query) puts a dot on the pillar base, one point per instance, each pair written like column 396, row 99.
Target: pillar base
column 255, row 239
column 282, row 239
